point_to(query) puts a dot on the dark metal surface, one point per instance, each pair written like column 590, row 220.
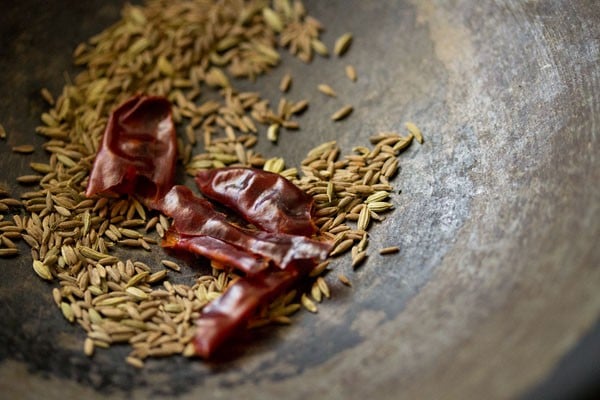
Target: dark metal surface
column 498, row 218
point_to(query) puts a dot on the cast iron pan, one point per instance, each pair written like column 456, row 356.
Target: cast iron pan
column 498, row 217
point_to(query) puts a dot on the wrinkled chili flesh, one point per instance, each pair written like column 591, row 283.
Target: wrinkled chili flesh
column 138, row 151
column 216, row 250
column 228, row 314
column 195, row 216
column 264, row 199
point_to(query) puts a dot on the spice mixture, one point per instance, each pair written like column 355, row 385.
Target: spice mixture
column 180, row 50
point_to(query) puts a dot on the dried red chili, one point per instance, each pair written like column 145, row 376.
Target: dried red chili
column 264, row 199
column 197, row 227
column 194, row 216
column 138, row 151
column 216, row 250
column 229, row 313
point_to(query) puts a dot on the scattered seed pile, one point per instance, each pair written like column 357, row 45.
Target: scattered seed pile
column 180, row 50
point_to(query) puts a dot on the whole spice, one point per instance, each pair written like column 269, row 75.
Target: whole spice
column 138, row 150
column 264, row 199
column 326, row 90
column 194, row 216
column 342, row 44
column 218, row 251
column 226, row 315
column 351, row 73
column 342, row 113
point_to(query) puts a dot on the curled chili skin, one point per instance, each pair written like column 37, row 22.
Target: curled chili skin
column 224, row 317
column 138, row 151
column 194, row 216
column 216, row 250
column 200, row 229
column 265, row 199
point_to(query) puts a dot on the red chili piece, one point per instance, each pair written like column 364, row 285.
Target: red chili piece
column 264, row 199
column 138, row 150
column 194, row 216
column 196, row 226
column 228, row 314
column 216, row 250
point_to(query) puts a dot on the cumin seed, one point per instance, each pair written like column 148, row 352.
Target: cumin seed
column 342, row 113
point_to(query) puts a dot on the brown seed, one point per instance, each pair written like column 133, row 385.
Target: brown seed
column 291, row 309
column 273, row 132
column 189, row 350
column 281, row 319
column 359, row 258
column 308, row 304
column 344, row 279
column 29, row 179
column 315, row 292
column 109, row 301
column 23, row 149
column 415, row 131
column 94, row 316
column 56, row 296
column 319, row 47
column 7, row 242
column 272, row 19
column 130, row 242
column 137, row 278
column 299, row 107
column 326, row 90
column 67, row 311
column 130, row 233
column 351, row 73
column 286, row 82
column 342, row 247
column 379, row 206
column 342, row 44
column 342, row 113
column 157, row 276
column 364, row 241
column 389, row 250
column 326, row 211
column 323, row 287
column 134, row 362
column 361, row 189
column 112, row 312
column 88, row 347
column 364, row 218
column 151, row 223
column 47, row 96
column 62, row 211
column 171, row 265
column 42, row 270
column 136, row 293
column 291, row 125
column 318, row 270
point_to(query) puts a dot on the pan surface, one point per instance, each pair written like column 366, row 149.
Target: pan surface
column 498, row 215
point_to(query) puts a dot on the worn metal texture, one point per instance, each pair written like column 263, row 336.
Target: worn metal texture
column 497, row 214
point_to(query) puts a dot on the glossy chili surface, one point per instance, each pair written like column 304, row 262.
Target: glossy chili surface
column 228, row 314
column 138, row 151
column 264, row 199
column 194, row 216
